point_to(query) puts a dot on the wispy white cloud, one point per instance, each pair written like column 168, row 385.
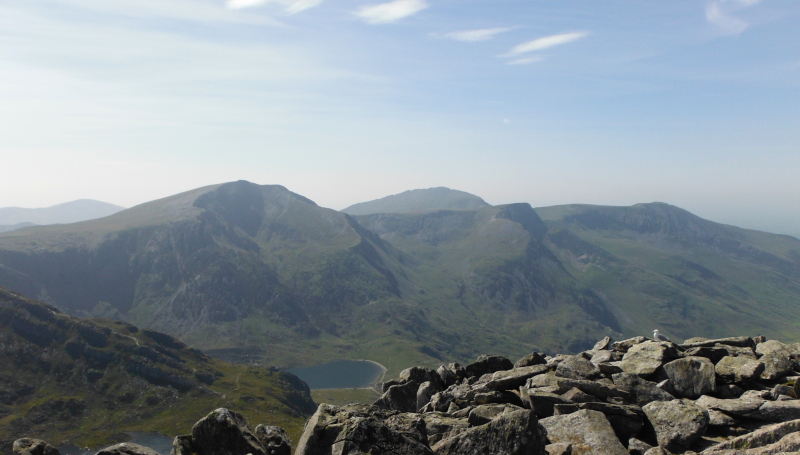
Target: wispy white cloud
column 527, row 60
column 719, row 14
column 289, row 6
column 545, row 42
column 390, row 12
column 482, row 34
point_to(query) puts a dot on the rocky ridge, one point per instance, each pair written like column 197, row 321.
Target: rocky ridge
column 736, row 395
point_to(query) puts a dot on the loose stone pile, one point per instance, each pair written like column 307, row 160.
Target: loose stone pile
column 637, row 396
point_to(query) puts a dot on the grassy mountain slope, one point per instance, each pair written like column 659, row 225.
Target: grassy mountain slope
column 66, row 379
column 422, row 200
column 662, row 267
column 68, row 212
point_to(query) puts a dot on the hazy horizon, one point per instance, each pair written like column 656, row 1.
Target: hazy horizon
column 695, row 104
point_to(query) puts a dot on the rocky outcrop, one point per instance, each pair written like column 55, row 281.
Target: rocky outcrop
column 637, row 396
column 31, row 446
column 127, row 448
column 225, row 432
column 365, row 429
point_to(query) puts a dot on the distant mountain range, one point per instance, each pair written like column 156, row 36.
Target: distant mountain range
column 250, row 272
column 12, row 218
column 440, row 198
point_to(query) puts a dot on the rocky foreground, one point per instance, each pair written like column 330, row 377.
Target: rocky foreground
column 637, row 396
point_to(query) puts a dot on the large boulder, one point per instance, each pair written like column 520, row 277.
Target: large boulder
column 577, row 367
column 221, row 432
column 626, row 421
column 739, row 408
column 740, row 342
column 420, row 375
column 760, row 438
column 439, row 426
column 513, row 433
column 644, row 359
column 32, row 446
column 678, row 423
column 776, row 366
column 514, row 378
column 691, row 377
column 588, row 432
column 425, row 392
column 127, row 448
column 400, row 397
column 450, row 374
column 641, row 390
column 487, row 364
column 624, row 345
column 738, row 369
column 534, row 358
column 274, row 439
column 362, row 429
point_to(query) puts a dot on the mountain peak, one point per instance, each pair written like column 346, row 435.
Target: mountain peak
column 419, row 200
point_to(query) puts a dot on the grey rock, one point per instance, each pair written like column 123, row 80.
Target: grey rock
column 738, row 369
column 729, row 391
column 604, row 357
column 678, row 423
column 274, row 439
column 514, row 378
column 541, row 403
column 782, row 389
column 531, row 359
column 588, row 432
column 759, row 438
column 221, row 432
column 562, row 385
column 127, row 448
column 483, row 414
column 624, row 345
column 776, row 366
column 385, row 386
column 756, row 394
column 738, row 408
column 789, row 444
column 626, row 421
column 642, row 390
column 691, row 377
column 567, row 408
column 420, row 375
column 603, row 344
column 666, row 386
column 425, row 392
column 576, row 367
column 720, row 419
column 450, row 374
column 488, row 364
column 657, row 451
column 513, row 433
column 777, row 411
column 773, row 347
column 32, row 446
column 638, row 447
column 741, row 342
column 576, row 395
column 439, row 426
column 713, row 353
column 362, row 429
column 401, row 397
column 562, row 448
column 645, row 358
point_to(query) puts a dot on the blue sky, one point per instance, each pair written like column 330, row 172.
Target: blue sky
column 694, row 103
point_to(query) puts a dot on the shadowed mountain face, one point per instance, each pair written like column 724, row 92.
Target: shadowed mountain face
column 68, row 212
column 63, row 377
column 440, row 198
column 249, row 272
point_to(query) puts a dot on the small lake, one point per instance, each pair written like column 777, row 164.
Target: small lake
column 340, row 374
column 160, row 443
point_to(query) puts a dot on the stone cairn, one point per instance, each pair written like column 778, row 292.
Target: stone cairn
column 638, row 396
